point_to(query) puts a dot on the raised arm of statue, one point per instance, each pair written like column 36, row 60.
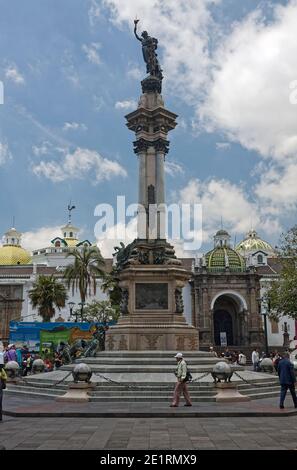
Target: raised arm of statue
column 135, row 31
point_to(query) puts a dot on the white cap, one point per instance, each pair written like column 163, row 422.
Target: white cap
column 178, row 355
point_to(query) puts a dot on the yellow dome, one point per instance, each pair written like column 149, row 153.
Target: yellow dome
column 14, row 255
column 71, row 241
column 253, row 243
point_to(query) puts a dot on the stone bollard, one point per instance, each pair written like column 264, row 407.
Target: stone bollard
column 79, row 390
column 227, row 391
column 12, row 370
column 266, row 365
column 38, row 366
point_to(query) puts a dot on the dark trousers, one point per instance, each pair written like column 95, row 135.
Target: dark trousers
column 284, row 389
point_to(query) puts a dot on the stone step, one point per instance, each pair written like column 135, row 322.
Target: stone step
column 111, row 387
column 147, row 394
column 259, row 385
column 144, row 362
column 256, row 396
column 151, row 354
column 102, row 368
column 141, row 399
column 35, row 391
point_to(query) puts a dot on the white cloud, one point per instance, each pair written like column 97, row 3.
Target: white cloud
column 91, row 51
column 248, row 96
column 12, row 73
column 126, row 104
column 82, row 163
column 74, row 126
column 94, row 13
column 99, row 102
column 42, row 149
column 5, row 153
column 40, row 238
column 134, row 72
column 277, row 188
column 173, row 168
column 222, row 200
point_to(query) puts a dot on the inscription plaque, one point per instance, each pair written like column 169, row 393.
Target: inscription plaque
column 151, row 296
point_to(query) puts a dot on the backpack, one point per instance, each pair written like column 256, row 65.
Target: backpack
column 188, row 377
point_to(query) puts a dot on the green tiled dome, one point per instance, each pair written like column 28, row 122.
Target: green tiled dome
column 216, row 260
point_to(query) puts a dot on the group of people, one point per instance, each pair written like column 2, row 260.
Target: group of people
column 284, row 368
column 234, row 357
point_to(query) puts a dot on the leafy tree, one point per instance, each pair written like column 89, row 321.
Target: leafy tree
column 87, row 267
column 46, row 294
column 110, row 285
column 100, row 311
column 282, row 294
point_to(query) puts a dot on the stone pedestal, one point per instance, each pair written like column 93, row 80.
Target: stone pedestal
column 153, row 318
column 77, row 392
column 228, row 393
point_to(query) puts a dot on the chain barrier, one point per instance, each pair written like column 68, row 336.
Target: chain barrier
column 25, row 382
column 257, row 385
column 140, row 386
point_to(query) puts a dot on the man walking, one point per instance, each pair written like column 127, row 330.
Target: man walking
column 255, row 359
column 287, row 379
column 181, row 385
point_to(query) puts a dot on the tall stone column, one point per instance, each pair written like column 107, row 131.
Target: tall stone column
column 142, row 197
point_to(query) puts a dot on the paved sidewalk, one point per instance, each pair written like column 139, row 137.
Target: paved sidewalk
column 17, row 406
column 278, row 433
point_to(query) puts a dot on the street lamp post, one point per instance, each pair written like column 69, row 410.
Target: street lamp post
column 82, row 304
column 263, row 302
column 71, row 305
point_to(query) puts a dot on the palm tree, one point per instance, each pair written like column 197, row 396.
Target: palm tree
column 46, row 294
column 82, row 274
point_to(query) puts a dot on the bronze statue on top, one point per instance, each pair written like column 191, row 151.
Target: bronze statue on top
column 149, row 46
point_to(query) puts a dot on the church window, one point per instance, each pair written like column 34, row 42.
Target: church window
column 274, row 326
column 71, row 234
column 260, row 259
column 57, row 244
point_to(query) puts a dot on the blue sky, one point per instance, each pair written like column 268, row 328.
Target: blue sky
column 71, row 71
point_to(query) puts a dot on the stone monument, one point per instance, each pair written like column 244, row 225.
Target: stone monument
column 150, row 275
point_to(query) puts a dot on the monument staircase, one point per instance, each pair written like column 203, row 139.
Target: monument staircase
column 144, row 376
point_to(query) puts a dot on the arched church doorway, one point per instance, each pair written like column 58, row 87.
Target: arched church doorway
column 223, row 325
column 227, row 318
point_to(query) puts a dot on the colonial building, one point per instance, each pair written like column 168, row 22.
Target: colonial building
column 225, row 293
column 19, row 270
column 228, row 287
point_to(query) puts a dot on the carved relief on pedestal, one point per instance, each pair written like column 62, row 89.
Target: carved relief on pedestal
column 179, row 303
column 193, row 343
column 180, row 342
column 110, row 343
column 152, row 341
column 123, row 346
column 124, row 301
